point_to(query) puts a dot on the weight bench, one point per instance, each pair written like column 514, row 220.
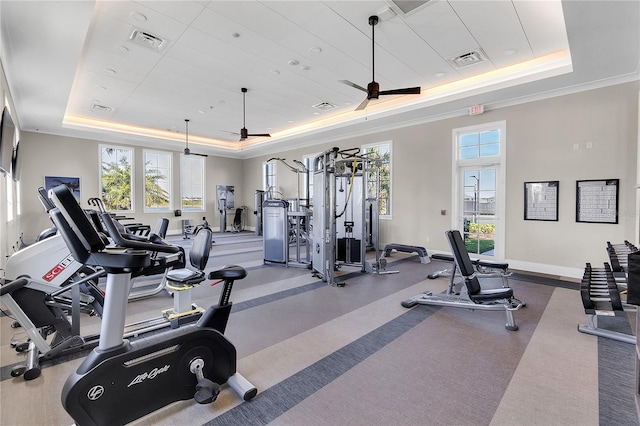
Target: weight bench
column 484, row 267
column 476, row 297
column 601, row 297
column 420, row 251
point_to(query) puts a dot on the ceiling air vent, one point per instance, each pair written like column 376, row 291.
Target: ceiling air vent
column 468, row 58
column 147, row 39
column 100, row 108
column 407, row 7
column 324, row 106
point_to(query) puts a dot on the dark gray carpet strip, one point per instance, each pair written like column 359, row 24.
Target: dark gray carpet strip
column 275, row 401
column 616, row 378
column 5, row 371
column 544, row 281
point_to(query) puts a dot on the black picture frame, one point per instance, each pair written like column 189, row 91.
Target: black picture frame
column 541, row 200
column 597, row 200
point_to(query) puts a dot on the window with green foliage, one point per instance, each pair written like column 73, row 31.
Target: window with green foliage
column 192, row 182
column 157, row 181
column 116, row 178
column 382, row 152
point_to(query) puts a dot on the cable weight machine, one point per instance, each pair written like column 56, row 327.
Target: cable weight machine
column 345, row 212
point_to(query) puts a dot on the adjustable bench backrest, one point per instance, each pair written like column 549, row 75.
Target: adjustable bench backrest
column 463, row 261
column 74, row 225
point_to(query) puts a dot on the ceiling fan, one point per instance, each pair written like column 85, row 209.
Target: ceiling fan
column 187, row 151
column 373, row 88
column 244, row 133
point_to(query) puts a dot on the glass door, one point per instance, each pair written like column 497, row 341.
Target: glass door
column 479, row 219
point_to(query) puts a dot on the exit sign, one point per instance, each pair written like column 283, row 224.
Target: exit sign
column 476, row 109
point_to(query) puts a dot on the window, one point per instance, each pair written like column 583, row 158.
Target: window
column 269, row 178
column 307, row 180
column 381, row 151
column 479, row 144
column 157, row 181
column 116, row 178
column 479, row 187
column 192, row 182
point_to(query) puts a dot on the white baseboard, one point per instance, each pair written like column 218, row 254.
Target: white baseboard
column 563, row 272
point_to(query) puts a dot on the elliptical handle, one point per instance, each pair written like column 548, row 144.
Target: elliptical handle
column 134, row 244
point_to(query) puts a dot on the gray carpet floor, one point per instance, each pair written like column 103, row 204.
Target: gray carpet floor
column 323, row 355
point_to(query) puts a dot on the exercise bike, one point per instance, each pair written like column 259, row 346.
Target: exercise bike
column 59, row 289
column 122, row 381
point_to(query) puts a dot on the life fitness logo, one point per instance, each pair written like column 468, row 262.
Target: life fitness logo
column 148, row 375
column 57, row 270
column 95, row 392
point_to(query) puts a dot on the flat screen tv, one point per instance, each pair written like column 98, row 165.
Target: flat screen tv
column 15, row 172
column 6, row 141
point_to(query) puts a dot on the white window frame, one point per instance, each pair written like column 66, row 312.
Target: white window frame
column 101, row 147
column 183, row 180
column 390, row 202
column 168, row 180
column 270, row 188
column 498, row 162
column 308, row 161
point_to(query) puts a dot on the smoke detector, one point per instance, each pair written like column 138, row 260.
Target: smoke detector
column 148, row 40
column 324, row 106
column 468, row 58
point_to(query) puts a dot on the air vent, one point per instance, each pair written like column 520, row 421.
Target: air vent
column 468, row 58
column 148, row 40
column 100, row 108
column 408, row 7
column 324, row 106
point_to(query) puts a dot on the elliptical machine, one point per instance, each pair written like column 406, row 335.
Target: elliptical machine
column 121, row 381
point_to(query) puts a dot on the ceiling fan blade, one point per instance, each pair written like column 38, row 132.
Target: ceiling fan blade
column 266, row 135
column 349, row 83
column 201, row 155
column 363, row 105
column 405, row 91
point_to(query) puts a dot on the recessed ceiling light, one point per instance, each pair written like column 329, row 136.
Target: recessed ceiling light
column 289, row 121
column 440, row 74
column 122, row 48
column 235, row 35
column 200, row 111
column 509, row 52
column 315, row 49
column 276, row 72
column 293, row 62
column 110, row 71
column 304, row 68
column 101, row 87
column 139, row 16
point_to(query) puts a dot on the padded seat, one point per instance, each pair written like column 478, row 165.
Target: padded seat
column 186, row 276
column 231, row 272
column 198, row 257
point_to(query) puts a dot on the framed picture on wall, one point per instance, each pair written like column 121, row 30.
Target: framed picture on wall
column 597, row 200
column 541, row 200
column 73, row 183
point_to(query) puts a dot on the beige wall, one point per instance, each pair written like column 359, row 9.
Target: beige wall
column 50, row 155
column 540, row 146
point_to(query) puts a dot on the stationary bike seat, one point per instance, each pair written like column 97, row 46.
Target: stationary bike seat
column 234, row 272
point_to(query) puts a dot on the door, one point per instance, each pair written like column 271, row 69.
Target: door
column 479, row 212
